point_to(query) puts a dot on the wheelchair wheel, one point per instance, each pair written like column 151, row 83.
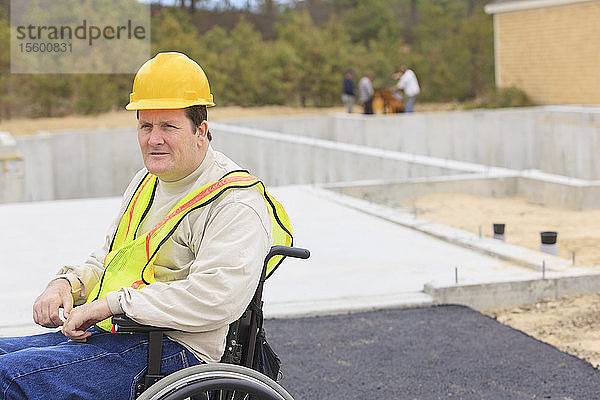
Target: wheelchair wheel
column 216, row 382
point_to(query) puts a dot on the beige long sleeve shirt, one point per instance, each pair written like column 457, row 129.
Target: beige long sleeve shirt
column 206, row 272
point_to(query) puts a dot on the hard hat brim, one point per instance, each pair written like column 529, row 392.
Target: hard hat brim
column 167, row 104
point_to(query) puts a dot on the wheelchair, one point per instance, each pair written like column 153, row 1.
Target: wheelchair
column 235, row 377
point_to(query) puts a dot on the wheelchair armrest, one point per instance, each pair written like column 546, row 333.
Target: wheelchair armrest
column 123, row 323
column 294, row 252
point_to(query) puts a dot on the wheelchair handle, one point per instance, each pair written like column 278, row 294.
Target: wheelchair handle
column 294, row 252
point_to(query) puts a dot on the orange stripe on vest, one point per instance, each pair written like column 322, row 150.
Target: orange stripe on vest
column 135, row 201
column 193, row 201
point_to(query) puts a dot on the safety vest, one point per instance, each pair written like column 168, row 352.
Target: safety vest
column 129, row 261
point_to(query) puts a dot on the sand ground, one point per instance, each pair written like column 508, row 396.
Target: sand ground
column 572, row 323
column 121, row 118
column 578, row 231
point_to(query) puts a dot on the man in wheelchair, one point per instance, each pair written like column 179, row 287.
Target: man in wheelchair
column 184, row 253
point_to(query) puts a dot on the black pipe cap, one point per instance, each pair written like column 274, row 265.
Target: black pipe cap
column 499, row 229
column 548, row 237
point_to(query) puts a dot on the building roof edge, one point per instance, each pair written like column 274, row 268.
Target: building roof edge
column 505, row 6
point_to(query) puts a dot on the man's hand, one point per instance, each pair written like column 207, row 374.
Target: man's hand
column 83, row 317
column 45, row 308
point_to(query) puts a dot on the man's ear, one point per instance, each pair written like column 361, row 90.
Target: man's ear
column 202, row 129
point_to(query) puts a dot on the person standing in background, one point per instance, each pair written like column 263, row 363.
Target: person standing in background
column 365, row 93
column 408, row 83
column 348, row 91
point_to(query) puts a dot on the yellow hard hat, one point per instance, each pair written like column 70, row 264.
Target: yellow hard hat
column 167, row 81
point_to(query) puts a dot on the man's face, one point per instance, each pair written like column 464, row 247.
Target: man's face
column 172, row 148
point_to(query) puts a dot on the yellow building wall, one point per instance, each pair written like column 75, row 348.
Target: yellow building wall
column 552, row 53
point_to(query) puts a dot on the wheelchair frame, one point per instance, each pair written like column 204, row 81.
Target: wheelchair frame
column 235, row 370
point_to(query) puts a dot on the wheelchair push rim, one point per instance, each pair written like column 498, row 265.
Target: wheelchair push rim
column 210, row 378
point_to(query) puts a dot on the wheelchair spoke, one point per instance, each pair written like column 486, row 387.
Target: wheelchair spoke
column 228, row 395
column 240, row 396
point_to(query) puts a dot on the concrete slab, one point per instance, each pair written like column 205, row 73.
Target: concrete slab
column 36, row 240
column 359, row 261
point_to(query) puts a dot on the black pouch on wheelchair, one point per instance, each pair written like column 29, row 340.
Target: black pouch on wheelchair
column 265, row 359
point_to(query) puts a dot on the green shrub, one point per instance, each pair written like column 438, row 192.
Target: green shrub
column 511, row 97
column 502, row 97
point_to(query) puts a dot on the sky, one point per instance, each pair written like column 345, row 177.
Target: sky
column 216, row 3
column 212, row 3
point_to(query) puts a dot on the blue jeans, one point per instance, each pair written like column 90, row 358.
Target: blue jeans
column 348, row 101
column 410, row 104
column 107, row 366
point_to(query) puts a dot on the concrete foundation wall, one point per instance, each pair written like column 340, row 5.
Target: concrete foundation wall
column 573, row 196
column 397, row 193
column 318, row 126
column 284, row 159
column 12, row 171
column 485, row 296
column 400, row 193
column 99, row 163
column 338, row 148
column 79, row 164
column 12, row 184
column 555, row 139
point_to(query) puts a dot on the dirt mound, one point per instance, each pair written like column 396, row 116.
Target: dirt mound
column 572, row 324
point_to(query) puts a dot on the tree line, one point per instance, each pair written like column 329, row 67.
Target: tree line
column 292, row 53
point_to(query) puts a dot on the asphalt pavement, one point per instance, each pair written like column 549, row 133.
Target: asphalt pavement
column 435, row 352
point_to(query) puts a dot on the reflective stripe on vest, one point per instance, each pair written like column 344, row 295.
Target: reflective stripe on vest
column 129, row 261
